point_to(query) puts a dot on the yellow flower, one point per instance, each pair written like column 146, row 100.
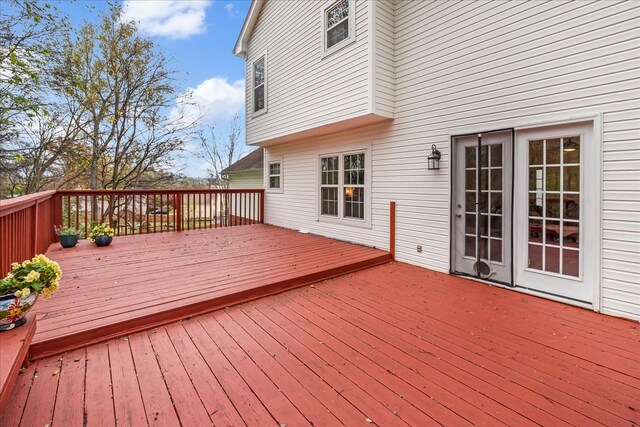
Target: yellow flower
column 15, row 311
column 17, row 294
column 46, row 293
column 26, row 292
column 33, row 275
column 9, row 275
column 54, row 286
column 15, row 265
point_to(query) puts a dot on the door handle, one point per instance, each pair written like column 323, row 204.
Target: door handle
column 459, row 215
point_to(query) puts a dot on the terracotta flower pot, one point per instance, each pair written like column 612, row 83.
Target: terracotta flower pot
column 13, row 310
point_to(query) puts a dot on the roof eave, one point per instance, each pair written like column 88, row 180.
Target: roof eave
column 240, row 48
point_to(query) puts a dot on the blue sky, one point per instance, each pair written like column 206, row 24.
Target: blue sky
column 198, row 36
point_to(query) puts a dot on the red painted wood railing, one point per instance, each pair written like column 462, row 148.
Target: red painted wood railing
column 132, row 212
column 27, row 222
column 26, row 227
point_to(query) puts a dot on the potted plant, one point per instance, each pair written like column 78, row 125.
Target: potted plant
column 101, row 235
column 19, row 290
column 68, row 236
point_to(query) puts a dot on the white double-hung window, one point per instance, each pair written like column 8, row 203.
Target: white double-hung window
column 344, row 186
column 338, row 24
column 260, row 85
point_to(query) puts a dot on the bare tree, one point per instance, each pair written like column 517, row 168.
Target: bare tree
column 47, row 154
column 123, row 91
column 219, row 153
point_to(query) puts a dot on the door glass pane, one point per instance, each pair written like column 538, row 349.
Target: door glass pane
column 535, row 230
column 470, row 246
column 553, row 152
column 496, row 250
column 470, row 157
column 470, row 202
column 496, row 179
column 535, row 205
column 536, row 150
column 483, row 226
column 571, row 234
column 553, row 178
column 552, row 235
column 552, row 259
column 484, row 248
column 571, row 180
column 554, row 205
column 470, row 224
column 571, row 204
column 496, row 203
column 470, row 179
column 496, row 226
column 496, row 155
column 484, row 156
column 535, row 257
column 570, row 263
column 571, row 150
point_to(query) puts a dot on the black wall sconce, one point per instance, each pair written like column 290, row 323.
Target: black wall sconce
column 433, row 161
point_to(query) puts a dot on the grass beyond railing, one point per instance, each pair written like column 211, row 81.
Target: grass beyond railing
column 26, row 223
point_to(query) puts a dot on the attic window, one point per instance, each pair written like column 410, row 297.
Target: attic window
column 339, row 24
column 260, row 84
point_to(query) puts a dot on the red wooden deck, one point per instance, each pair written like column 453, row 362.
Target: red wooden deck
column 144, row 281
column 392, row 345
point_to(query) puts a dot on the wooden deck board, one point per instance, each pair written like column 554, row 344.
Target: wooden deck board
column 393, row 344
column 144, row 281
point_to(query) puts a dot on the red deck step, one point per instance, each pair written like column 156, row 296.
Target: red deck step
column 14, row 345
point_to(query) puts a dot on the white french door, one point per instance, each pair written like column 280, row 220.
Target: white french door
column 482, row 206
column 555, row 211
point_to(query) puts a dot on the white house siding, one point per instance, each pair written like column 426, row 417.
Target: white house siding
column 471, row 66
column 246, row 180
column 383, row 58
column 303, row 88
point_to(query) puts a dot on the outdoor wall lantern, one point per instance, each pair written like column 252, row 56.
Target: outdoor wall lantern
column 433, row 161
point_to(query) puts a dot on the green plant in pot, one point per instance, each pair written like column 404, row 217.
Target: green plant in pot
column 68, row 236
column 20, row 288
column 101, row 234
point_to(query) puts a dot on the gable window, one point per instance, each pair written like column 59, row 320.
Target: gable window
column 343, row 186
column 260, row 84
column 275, row 175
column 339, row 24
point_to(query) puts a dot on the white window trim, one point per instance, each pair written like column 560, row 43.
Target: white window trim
column 341, row 219
column 268, row 186
column 352, row 28
column 266, row 85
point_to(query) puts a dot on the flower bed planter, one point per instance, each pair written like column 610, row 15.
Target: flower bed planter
column 68, row 241
column 103, row 240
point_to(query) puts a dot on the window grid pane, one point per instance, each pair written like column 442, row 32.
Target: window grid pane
column 554, row 206
column 258, row 84
column 337, row 23
column 274, row 175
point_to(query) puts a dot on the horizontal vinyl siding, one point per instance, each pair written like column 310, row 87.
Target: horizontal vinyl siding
column 246, row 180
column 621, row 213
column 384, row 58
column 306, row 90
column 475, row 66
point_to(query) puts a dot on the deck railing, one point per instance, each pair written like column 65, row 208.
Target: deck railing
column 27, row 223
column 26, row 227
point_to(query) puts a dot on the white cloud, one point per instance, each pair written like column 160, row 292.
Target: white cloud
column 231, row 9
column 176, row 19
column 214, row 101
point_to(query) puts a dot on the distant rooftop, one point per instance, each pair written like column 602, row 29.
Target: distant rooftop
column 253, row 161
